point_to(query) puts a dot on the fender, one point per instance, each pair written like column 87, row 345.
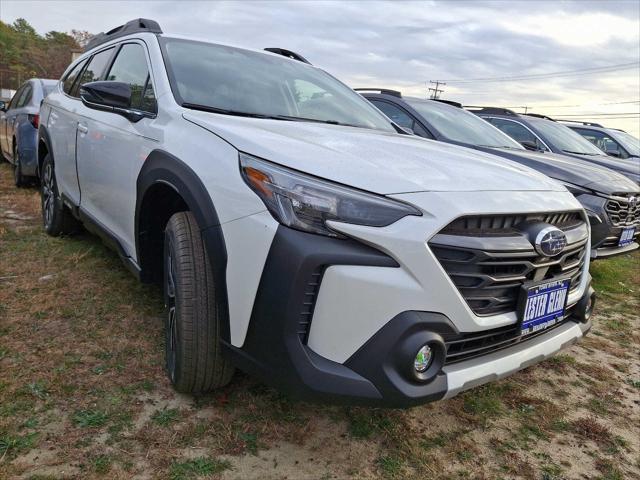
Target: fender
column 43, row 136
column 161, row 167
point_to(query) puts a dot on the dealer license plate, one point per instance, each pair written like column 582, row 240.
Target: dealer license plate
column 626, row 237
column 544, row 305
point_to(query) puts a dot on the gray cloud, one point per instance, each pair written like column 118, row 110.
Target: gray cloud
column 367, row 43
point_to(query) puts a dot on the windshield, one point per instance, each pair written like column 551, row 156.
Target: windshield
column 630, row 143
column 238, row 81
column 461, row 126
column 563, row 138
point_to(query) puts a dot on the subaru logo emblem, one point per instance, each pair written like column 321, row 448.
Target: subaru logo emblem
column 550, row 242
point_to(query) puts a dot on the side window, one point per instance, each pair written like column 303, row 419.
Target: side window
column 130, row 66
column 94, row 70
column 16, row 97
column 25, row 96
column 69, row 80
column 518, row 132
column 603, row 141
column 418, row 130
column 395, row 113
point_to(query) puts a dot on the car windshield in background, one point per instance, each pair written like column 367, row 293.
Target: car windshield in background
column 461, row 126
column 241, row 82
column 564, row 138
column 629, row 142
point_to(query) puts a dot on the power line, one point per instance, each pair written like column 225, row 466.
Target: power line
column 538, row 76
column 583, row 105
column 592, row 114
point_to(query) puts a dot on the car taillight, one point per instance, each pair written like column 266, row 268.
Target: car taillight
column 35, row 120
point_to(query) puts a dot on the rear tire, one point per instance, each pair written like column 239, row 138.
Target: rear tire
column 18, row 178
column 56, row 218
column 194, row 359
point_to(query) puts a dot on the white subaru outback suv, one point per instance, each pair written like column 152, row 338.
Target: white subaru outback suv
column 298, row 234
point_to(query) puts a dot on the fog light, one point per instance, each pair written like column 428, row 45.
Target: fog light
column 423, row 359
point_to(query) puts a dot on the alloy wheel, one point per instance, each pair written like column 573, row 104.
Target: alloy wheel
column 171, row 330
column 48, row 194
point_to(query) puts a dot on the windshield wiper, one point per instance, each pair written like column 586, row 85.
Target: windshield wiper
column 316, row 120
column 223, row 111
column 580, row 153
column 238, row 113
column 508, row 147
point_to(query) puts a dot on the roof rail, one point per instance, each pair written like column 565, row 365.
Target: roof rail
column 288, row 53
column 587, row 124
column 448, row 102
column 487, row 110
column 538, row 115
column 384, row 91
column 133, row 26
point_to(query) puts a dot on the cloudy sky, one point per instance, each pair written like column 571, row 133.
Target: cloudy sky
column 591, row 47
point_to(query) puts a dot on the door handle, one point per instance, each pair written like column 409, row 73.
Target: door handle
column 83, row 128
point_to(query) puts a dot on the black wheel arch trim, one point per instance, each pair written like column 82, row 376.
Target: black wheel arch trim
column 161, row 167
column 43, row 136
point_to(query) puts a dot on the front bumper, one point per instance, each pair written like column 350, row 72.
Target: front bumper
column 333, row 320
column 276, row 347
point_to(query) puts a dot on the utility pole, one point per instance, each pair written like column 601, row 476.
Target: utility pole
column 436, row 91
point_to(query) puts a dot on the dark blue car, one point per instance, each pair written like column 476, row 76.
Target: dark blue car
column 611, row 201
column 19, row 121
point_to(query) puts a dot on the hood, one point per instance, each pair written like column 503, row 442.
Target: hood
column 619, row 165
column 371, row 160
column 571, row 170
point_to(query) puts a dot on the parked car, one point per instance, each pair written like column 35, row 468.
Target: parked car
column 612, row 201
column 19, row 128
column 298, row 234
column 614, row 142
column 543, row 134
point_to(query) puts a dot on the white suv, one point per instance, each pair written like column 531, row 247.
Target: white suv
column 298, row 234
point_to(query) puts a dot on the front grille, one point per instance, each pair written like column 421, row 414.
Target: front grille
column 483, row 225
column 490, row 269
column 469, row 345
column 624, row 210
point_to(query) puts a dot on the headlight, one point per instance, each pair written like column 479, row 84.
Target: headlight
column 304, row 202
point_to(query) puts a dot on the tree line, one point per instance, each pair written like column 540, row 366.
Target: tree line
column 25, row 54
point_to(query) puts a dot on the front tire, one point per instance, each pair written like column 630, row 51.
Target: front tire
column 56, row 218
column 194, row 360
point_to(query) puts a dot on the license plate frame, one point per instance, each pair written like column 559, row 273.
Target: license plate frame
column 537, row 317
column 627, row 236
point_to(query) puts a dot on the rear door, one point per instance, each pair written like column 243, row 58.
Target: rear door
column 17, row 102
column 65, row 120
column 112, row 149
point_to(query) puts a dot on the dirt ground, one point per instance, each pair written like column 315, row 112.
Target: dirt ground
column 83, row 393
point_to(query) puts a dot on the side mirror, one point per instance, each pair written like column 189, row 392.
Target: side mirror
column 110, row 97
column 529, row 145
column 3, row 106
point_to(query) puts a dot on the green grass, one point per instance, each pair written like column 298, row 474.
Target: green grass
column 618, row 276
column 90, row 418
column 10, row 444
column 101, row 464
column 390, row 465
column 165, row 417
column 198, row 467
column 363, row 423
